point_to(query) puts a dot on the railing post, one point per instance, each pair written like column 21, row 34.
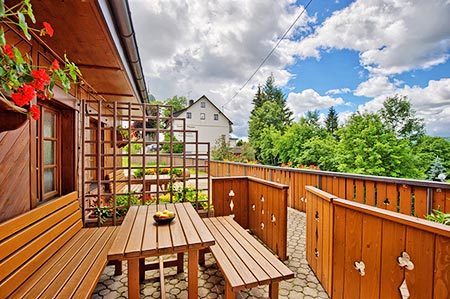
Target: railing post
column 429, row 200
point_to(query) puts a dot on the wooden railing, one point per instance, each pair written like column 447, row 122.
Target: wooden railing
column 409, row 197
column 256, row 204
column 359, row 251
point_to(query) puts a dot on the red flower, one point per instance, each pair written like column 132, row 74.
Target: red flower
column 48, row 28
column 24, row 95
column 55, row 65
column 35, row 112
column 41, row 78
column 9, row 51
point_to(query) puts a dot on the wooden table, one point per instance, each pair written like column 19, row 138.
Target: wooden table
column 140, row 237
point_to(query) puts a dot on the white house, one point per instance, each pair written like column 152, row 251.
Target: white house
column 205, row 118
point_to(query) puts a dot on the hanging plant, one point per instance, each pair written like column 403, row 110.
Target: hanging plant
column 20, row 80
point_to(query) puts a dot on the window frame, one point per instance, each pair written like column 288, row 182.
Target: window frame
column 202, row 104
column 188, row 115
column 202, row 116
column 216, row 116
column 42, row 195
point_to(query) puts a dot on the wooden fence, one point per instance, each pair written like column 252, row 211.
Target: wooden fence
column 359, row 251
column 409, row 197
column 256, row 204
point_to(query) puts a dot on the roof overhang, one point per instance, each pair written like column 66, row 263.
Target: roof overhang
column 91, row 33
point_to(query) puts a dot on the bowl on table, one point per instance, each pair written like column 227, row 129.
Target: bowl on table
column 164, row 218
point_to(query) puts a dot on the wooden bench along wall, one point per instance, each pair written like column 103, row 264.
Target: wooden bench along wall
column 46, row 252
column 243, row 260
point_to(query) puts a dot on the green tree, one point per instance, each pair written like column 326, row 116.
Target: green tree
column 292, row 143
column 247, row 152
column 266, row 116
column 398, row 115
column 177, row 147
column 331, row 122
column 221, row 150
column 437, row 171
column 267, row 143
column 367, row 147
column 426, row 149
column 321, row 152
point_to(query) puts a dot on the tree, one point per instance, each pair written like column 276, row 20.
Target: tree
column 177, row 147
column 331, row 122
column 269, row 111
column 247, row 152
column 398, row 115
column 367, row 147
column 221, row 150
column 178, row 103
column 321, row 152
column 437, row 171
column 426, row 149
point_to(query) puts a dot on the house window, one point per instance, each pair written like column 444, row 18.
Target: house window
column 48, row 159
column 189, row 115
column 202, row 116
column 203, row 104
column 216, row 116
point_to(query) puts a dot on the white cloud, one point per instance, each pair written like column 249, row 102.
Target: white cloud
column 432, row 103
column 309, row 100
column 195, row 47
column 338, row 91
column 392, row 36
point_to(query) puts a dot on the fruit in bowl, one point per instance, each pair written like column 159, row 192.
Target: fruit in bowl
column 162, row 217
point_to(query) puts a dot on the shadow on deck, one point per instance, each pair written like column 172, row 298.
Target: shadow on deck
column 211, row 284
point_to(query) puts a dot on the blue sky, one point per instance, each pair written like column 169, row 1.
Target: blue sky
column 346, row 54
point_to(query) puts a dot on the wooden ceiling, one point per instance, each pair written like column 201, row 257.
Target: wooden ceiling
column 82, row 33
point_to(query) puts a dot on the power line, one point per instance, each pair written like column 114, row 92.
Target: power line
column 269, row 54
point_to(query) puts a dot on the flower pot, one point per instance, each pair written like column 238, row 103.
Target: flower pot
column 10, row 119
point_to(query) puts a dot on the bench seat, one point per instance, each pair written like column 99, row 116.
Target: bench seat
column 243, row 260
column 45, row 253
column 118, row 183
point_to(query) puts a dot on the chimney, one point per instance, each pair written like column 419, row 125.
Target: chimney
column 191, row 102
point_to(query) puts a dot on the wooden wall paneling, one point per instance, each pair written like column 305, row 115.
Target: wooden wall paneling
column 420, row 201
column 359, row 184
column 392, row 246
column 405, row 193
column 353, row 238
column 441, row 283
column 370, row 193
column 438, row 199
column 283, row 225
column 420, row 246
column 339, row 232
column 371, row 255
column 15, row 172
column 350, row 189
column 392, row 195
column 309, row 228
column 240, row 200
column 268, row 197
column 253, row 207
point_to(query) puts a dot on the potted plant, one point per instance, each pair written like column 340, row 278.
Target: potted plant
column 21, row 81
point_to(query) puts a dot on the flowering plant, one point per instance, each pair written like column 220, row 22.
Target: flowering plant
column 20, row 81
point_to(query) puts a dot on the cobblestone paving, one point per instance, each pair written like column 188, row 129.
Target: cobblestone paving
column 211, row 284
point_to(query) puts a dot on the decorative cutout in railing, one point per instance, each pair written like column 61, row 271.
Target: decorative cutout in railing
column 360, row 266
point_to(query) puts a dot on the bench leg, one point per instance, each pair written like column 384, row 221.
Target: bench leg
column 273, row 290
column 117, row 267
column 229, row 294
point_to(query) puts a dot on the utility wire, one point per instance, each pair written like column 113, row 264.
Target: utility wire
column 269, row 54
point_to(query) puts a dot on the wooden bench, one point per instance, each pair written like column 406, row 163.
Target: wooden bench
column 46, row 253
column 121, row 183
column 243, row 260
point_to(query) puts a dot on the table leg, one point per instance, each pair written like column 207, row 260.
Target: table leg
column 133, row 279
column 180, row 262
column 193, row 274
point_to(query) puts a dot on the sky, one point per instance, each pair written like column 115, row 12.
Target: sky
column 351, row 55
